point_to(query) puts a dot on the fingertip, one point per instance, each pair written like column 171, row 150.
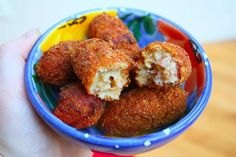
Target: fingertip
column 27, row 40
column 32, row 34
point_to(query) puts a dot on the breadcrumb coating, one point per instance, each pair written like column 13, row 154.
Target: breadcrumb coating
column 112, row 29
column 103, row 72
column 78, row 109
column 142, row 111
column 54, row 66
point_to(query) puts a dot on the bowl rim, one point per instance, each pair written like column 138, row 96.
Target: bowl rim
column 118, row 143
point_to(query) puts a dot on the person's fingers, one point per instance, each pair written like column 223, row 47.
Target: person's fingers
column 12, row 62
column 22, row 45
column 29, row 39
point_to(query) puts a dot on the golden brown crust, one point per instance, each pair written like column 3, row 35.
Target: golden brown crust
column 130, row 49
column 78, row 109
column 112, row 29
column 86, row 60
column 109, row 28
column 94, row 54
column 54, row 66
column 142, row 110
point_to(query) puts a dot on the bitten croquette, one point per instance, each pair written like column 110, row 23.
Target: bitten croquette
column 142, row 111
column 161, row 64
column 104, row 73
column 54, row 66
column 78, row 109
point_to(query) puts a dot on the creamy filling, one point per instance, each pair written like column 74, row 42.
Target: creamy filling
column 159, row 67
column 108, row 84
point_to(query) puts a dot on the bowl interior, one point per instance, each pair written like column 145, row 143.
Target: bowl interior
column 146, row 27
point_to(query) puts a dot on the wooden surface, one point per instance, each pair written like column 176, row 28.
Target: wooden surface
column 214, row 133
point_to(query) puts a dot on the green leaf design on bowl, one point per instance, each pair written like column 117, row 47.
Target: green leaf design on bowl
column 135, row 25
column 136, row 29
column 125, row 16
column 45, row 92
column 148, row 25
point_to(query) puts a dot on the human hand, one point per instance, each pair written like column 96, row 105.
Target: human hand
column 22, row 133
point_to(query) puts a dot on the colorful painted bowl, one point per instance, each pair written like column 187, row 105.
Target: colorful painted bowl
column 147, row 27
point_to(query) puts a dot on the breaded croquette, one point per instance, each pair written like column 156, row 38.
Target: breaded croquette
column 78, row 109
column 54, row 66
column 112, row 29
column 103, row 72
column 142, row 111
column 162, row 64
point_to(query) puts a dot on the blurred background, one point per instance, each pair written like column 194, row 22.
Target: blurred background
column 206, row 20
column 212, row 23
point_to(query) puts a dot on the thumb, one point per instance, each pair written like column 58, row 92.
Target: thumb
column 22, row 45
column 27, row 40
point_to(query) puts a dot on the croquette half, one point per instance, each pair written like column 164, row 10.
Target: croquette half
column 142, row 111
column 54, row 66
column 103, row 72
column 163, row 63
column 78, row 109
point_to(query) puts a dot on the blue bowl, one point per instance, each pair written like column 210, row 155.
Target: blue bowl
column 147, row 27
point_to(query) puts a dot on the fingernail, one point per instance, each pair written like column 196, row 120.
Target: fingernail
column 32, row 33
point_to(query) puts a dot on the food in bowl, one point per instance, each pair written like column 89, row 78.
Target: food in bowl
column 54, row 66
column 76, row 108
column 104, row 72
column 112, row 29
column 104, row 68
column 147, row 27
column 163, row 63
column 143, row 110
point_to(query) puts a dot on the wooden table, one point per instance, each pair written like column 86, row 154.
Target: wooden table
column 214, row 133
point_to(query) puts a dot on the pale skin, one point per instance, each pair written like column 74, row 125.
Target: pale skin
column 22, row 132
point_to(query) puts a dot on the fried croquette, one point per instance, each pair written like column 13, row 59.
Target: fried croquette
column 103, row 72
column 112, row 29
column 78, row 109
column 143, row 111
column 162, row 64
column 54, row 66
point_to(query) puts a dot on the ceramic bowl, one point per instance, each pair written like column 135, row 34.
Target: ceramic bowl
column 147, row 27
